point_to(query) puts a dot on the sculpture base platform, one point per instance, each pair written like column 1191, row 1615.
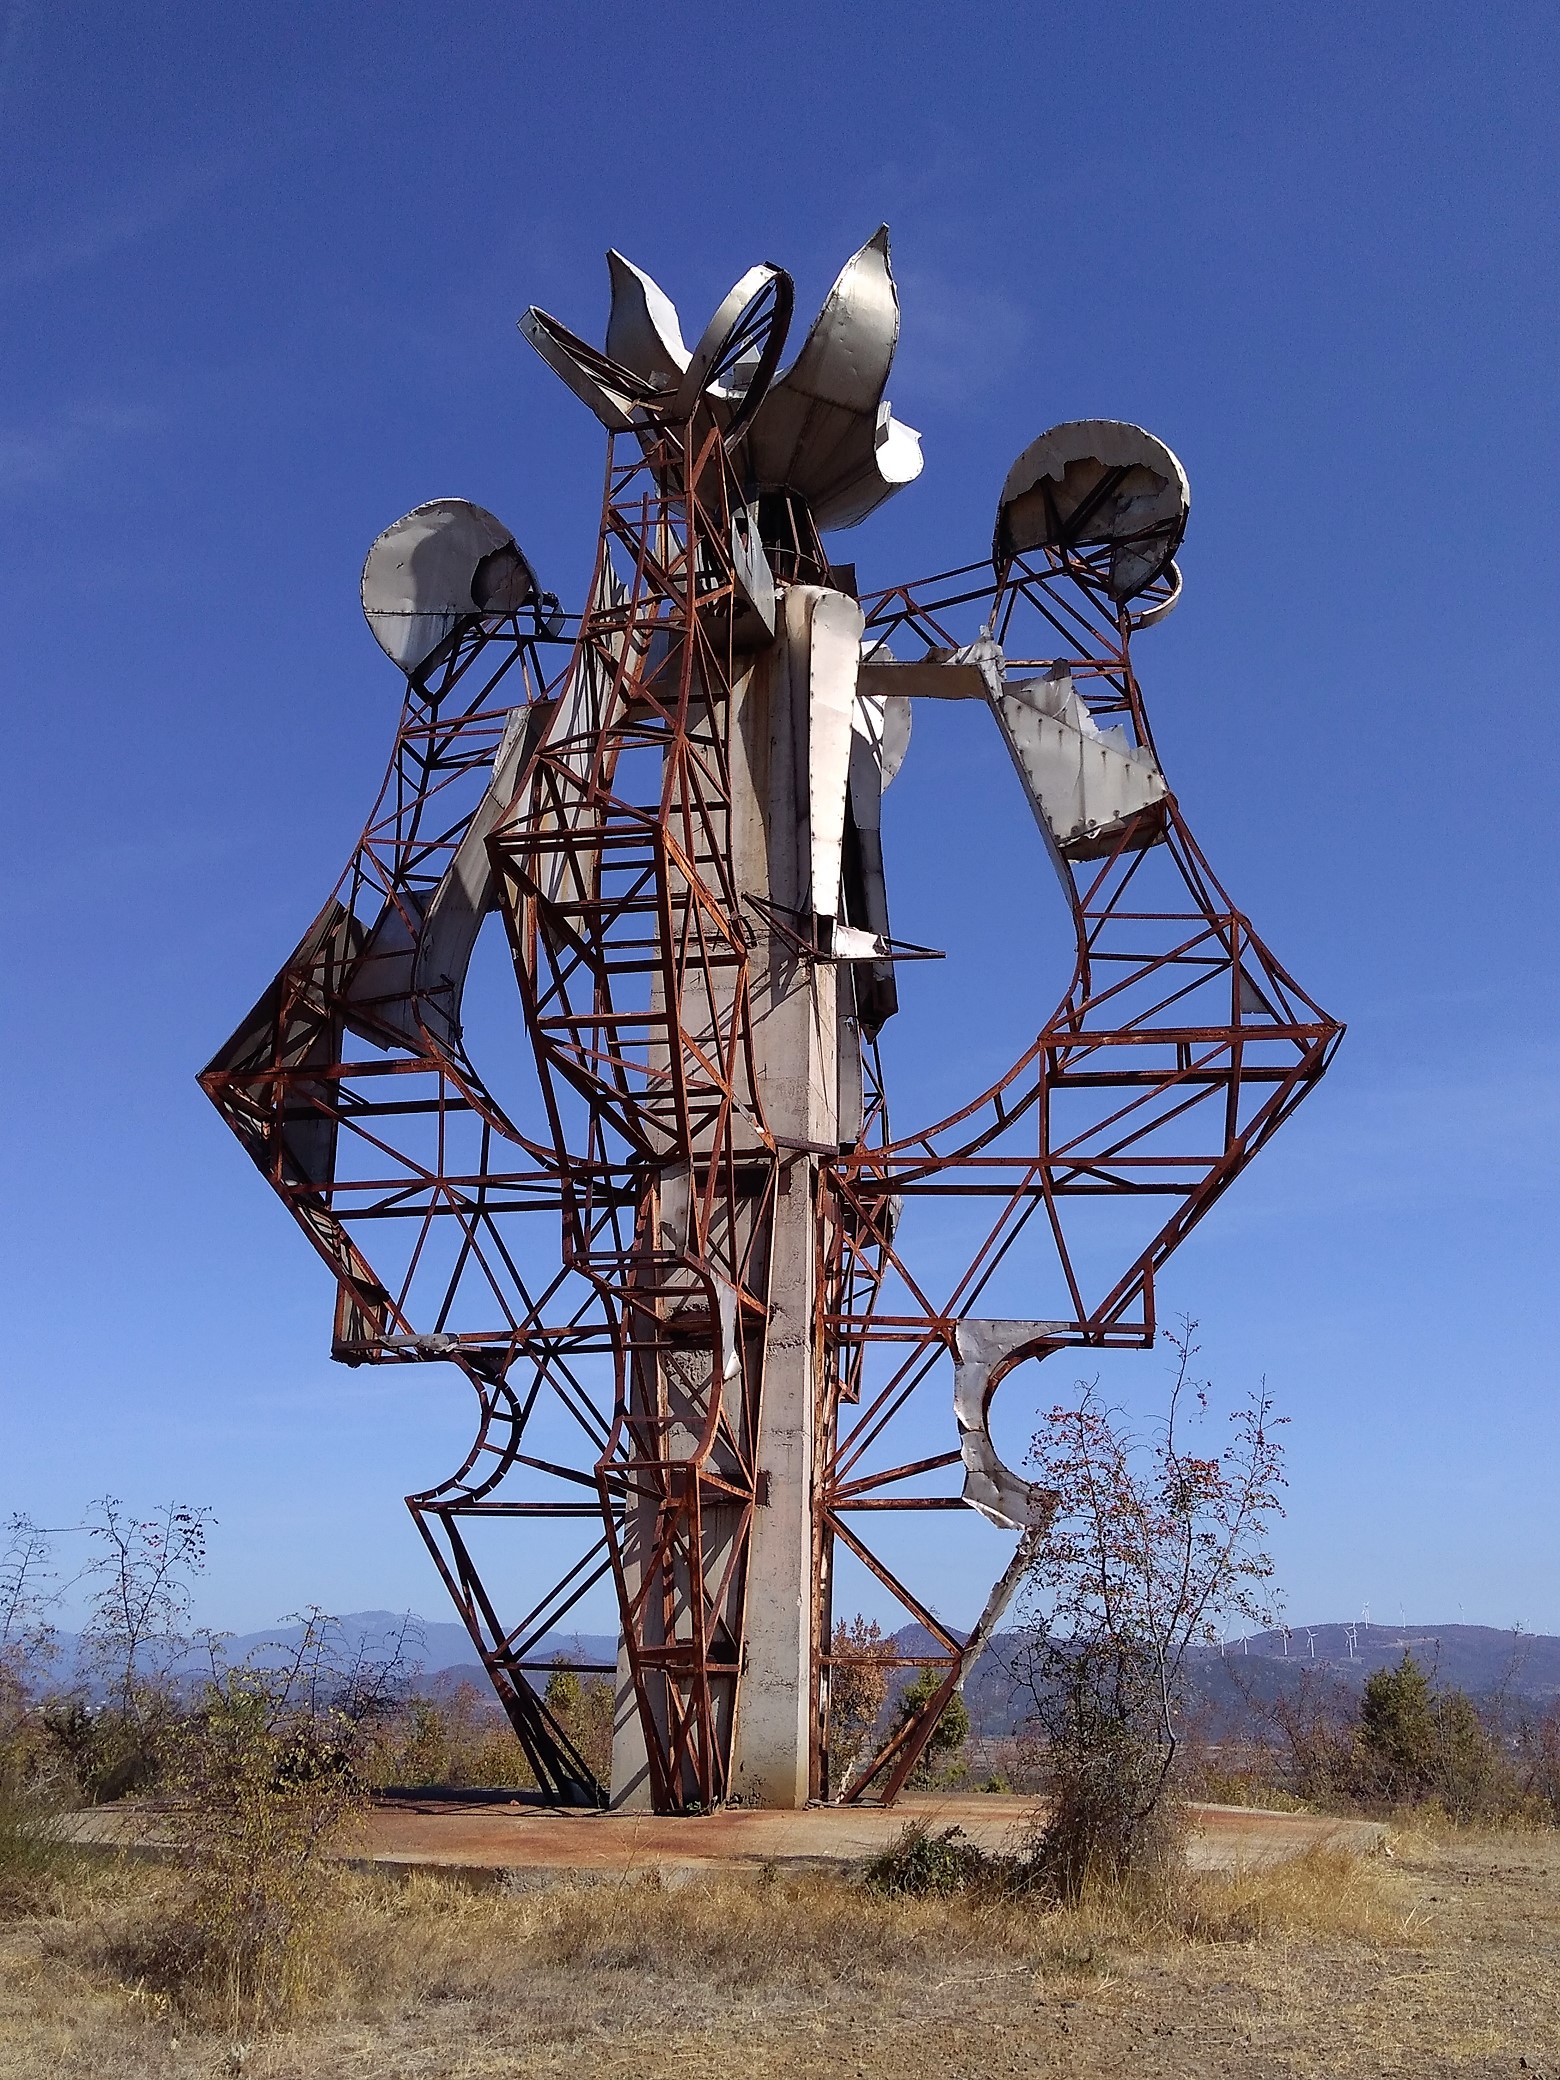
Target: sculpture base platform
column 495, row 1839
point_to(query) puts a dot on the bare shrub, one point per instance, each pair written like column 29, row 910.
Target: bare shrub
column 33, row 1847
column 1537, row 1750
column 1304, row 1744
column 922, row 1861
column 1150, row 1546
column 265, row 1775
column 138, row 1630
column 31, row 1844
column 138, row 1622
column 462, row 1741
column 27, row 1640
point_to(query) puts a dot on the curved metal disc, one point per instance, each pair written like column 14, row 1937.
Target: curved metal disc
column 439, row 564
column 1091, row 486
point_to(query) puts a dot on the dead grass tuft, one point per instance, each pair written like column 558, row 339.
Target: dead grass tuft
column 32, row 1851
column 773, row 1947
column 1326, row 1892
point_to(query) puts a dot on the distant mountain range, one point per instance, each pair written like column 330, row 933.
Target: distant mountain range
column 1232, row 1684
column 1480, row 1659
column 431, row 1647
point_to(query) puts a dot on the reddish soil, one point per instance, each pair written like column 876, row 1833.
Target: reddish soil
column 516, row 1837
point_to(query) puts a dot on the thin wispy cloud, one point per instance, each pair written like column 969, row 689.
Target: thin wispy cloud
column 108, row 225
column 964, row 339
column 54, row 449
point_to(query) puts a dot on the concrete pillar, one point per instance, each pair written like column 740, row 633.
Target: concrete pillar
column 795, row 1025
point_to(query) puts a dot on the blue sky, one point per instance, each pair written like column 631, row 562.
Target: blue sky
column 259, row 276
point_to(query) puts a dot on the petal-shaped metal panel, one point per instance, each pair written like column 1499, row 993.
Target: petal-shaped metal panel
column 643, row 332
column 823, row 431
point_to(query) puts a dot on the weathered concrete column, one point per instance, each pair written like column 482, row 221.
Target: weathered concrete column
column 776, row 758
column 795, row 1033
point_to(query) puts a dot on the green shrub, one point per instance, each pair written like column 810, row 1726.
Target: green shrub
column 1397, row 1732
column 941, row 1759
column 1417, row 1745
column 917, row 1863
column 585, row 1706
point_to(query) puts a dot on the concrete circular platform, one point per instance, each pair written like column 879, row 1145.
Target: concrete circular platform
column 518, row 1845
column 523, row 1846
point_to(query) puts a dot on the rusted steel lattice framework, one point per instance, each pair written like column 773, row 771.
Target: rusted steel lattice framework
column 615, row 874
column 676, row 1261
column 1180, row 1047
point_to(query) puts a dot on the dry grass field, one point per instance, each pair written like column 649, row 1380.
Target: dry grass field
column 1444, row 1960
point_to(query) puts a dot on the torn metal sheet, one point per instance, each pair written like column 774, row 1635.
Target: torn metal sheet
column 1097, row 484
column 850, row 1082
column 376, row 994
column 983, row 1351
column 880, row 732
column 727, row 1308
column 437, row 566
column 674, row 1204
column 824, row 430
column 614, row 393
column 882, row 722
column 1089, row 787
column 405, row 987
column 573, row 729
column 466, row 894
column 755, row 582
column 852, row 943
column 867, row 886
column 292, row 1027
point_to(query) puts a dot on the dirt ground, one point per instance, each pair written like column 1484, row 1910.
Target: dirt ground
column 1442, row 1960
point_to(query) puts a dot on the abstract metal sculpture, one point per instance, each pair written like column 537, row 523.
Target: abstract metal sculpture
column 679, row 827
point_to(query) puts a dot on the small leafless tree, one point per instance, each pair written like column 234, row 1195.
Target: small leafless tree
column 138, row 1623
column 1305, row 1721
column 1152, row 1546
column 325, row 1674
column 27, row 1595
